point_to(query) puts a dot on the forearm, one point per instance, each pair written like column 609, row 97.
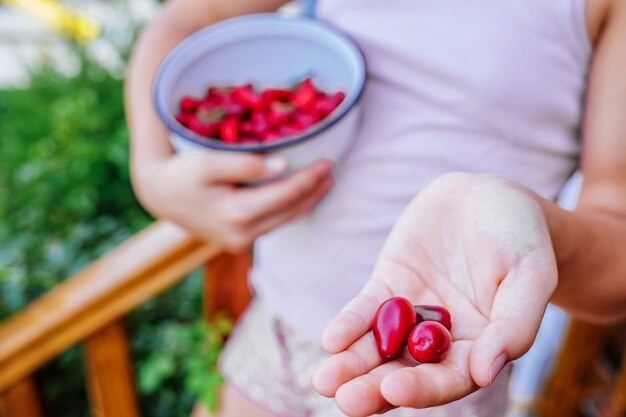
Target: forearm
column 148, row 134
column 590, row 243
column 590, row 249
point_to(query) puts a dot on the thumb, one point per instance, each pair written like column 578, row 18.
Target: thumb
column 235, row 167
column 519, row 305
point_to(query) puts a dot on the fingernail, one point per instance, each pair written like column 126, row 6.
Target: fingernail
column 275, row 164
column 496, row 367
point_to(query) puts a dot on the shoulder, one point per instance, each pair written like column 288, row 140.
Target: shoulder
column 600, row 12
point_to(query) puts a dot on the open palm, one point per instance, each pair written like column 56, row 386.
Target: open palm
column 475, row 244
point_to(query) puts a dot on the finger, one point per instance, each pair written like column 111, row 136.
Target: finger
column 518, row 307
column 362, row 396
column 284, row 193
column 430, row 384
column 234, row 167
column 356, row 317
column 274, row 220
column 359, row 359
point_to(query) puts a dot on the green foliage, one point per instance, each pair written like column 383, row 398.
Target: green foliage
column 65, row 199
column 172, row 345
column 64, row 182
column 194, row 349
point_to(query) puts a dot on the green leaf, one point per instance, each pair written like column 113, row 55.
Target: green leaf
column 224, row 324
column 210, row 400
column 159, row 367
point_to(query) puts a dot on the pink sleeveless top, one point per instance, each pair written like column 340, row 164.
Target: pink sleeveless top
column 453, row 85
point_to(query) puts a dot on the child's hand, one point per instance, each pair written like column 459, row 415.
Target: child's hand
column 200, row 191
column 479, row 246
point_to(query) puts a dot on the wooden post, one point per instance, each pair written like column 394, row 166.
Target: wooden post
column 566, row 387
column 226, row 285
column 110, row 377
column 21, row 400
column 617, row 407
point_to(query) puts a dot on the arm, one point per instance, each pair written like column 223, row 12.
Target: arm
column 590, row 243
column 198, row 190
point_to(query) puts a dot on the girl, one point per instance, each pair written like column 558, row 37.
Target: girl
column 467, row 86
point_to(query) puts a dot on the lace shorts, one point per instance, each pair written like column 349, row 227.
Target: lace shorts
column 271, row 365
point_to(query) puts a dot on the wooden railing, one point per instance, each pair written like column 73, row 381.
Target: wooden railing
column 89, row 308
column 581, row 373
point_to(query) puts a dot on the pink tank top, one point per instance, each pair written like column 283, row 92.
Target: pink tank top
column 453, row 85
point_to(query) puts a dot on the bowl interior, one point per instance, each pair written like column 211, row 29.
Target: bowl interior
column 266, row 50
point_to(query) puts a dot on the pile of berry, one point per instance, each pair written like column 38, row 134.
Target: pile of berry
column 242, row 114
column 425, row 330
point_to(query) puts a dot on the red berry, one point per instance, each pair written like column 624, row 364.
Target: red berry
column 429, row 342
column 232, row 108
column 287, row 130
column 196, row 125
column 207, row 129
column 217, row 95
column 272, row 95
column 434, row 313
column 304, row 120
column 183, row 119
column 392, row 324
column 259, row 122
column 280, row 113
column 248, row 139
column 325, row 105
column 338, row 97
column 229, row 130
column 305, row 94
column 246, row 127
column 270, row 136
column 189, row 104
column 246, row 96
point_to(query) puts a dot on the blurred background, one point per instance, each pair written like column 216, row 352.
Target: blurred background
column 66, row 199
column 65, row 195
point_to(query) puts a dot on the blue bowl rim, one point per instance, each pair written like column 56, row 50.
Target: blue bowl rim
column 342, row 110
